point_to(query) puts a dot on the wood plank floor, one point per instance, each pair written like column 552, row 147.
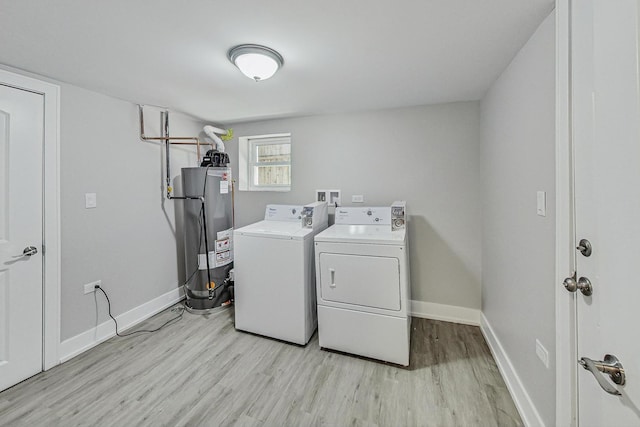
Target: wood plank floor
column 201, row 371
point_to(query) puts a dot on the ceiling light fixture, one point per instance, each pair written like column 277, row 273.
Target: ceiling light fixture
column 255, row 61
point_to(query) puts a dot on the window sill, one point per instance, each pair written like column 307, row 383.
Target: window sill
column 278, row 189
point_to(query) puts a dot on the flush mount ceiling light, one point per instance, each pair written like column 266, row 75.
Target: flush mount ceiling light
column 255, row 61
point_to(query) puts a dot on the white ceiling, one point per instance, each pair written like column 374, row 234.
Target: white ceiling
column 340, row 55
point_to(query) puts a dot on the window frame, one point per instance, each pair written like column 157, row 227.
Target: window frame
column 248, row 163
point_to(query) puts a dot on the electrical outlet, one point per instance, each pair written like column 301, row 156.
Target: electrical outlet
column 91, row 287
column 357, row 198
column 321, row 196
column 542, row 354
column 332, row 197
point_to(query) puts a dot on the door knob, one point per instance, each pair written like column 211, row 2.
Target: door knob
column 611, row 366
column 583, row 284
column 28, row 251
column 570, row 284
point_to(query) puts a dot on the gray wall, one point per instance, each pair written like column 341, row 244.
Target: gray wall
column 425, row 155
column 129, row 241
column 518, row 251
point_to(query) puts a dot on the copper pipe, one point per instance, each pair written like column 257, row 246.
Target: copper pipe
column 171, row 139
column 160, row 138
column 168, row 140
column 193, row 143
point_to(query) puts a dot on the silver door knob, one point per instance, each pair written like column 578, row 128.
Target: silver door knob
column 28, row 251
column 570, row 284
column 583, row 284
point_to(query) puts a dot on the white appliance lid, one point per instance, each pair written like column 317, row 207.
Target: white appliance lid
column 276, row 230
column 381, row 235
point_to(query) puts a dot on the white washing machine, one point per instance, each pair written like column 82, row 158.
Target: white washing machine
column 362, row 283
column 275, row 273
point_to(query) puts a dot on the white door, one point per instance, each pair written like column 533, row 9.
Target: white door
column 21, row 216
column 362, row 280
column 606, row 122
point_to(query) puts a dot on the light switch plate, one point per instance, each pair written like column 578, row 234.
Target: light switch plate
column 90, row 200
column 542, row 203
column 542, row 354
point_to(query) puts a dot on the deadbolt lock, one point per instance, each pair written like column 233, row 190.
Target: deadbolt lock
column 585, row 247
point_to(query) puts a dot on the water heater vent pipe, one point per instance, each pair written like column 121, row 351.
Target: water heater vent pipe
column 211, row 132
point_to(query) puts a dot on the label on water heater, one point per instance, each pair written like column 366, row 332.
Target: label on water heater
column 223, row 245
column 224, row 173
column 223, row 258
column 216, row 259
column 223, row 253
column 225, row 234
column 224, row 187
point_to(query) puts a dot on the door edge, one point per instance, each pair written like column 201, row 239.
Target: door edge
column 566, row 368
column 51, row 214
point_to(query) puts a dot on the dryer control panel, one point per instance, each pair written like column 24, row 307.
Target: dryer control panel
column 363, row 216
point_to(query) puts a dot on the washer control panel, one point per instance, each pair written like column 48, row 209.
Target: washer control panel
column 398, row 215
column 283, row 213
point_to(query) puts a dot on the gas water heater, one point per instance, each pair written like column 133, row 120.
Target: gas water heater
column 208, row 216
column 208, row 231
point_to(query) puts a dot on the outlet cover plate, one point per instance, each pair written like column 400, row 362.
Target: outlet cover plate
column 91, row 287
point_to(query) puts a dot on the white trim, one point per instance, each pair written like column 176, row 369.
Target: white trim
column 447, row 313
column 84, row 341
column 566, row 368
column 243, row 163
column 51, row 189
column 522, row 400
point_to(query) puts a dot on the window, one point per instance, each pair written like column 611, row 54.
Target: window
column 265, row 163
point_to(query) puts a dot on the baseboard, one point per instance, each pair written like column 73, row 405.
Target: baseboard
column 82, row 342
column 523, row 402
column 447, row 313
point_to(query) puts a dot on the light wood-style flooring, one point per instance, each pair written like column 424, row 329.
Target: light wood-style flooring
column 201, row 371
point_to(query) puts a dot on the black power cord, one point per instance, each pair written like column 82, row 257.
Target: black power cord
column 202, row 223
column 178, row 317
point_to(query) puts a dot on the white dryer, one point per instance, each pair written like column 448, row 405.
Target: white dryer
column 275, row 273
column 362, row 283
